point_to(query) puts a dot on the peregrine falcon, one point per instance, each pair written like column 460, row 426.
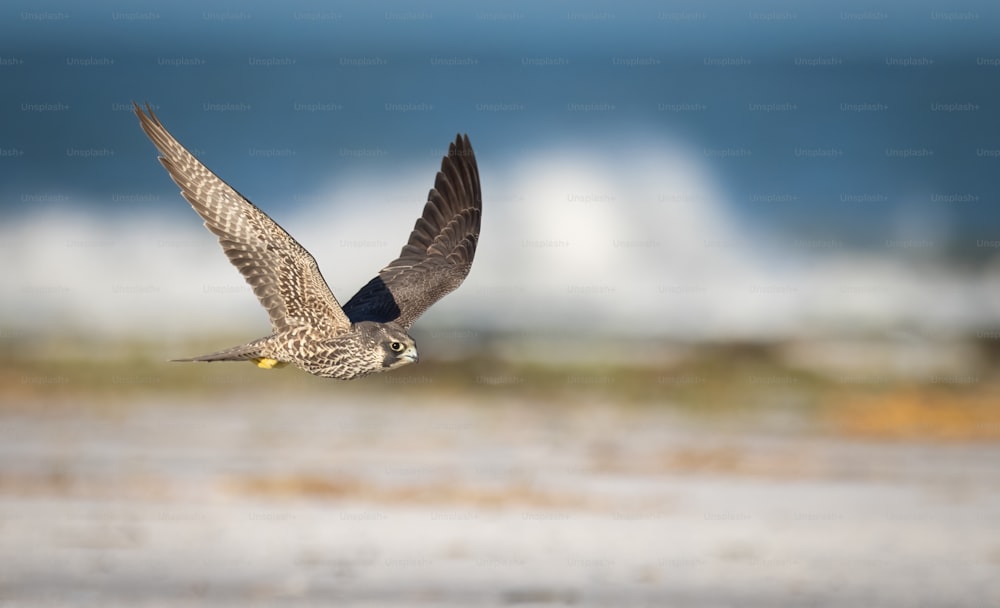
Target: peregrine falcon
column 309, row 328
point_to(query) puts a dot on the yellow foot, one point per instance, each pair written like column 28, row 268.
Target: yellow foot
column 265, row 363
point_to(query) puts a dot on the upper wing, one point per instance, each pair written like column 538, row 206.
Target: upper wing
column 282, row 274
column 439, row 253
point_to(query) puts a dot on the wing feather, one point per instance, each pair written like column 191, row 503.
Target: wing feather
column 283, row 275
column 439, row 253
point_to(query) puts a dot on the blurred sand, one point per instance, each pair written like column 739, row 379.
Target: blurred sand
column 283, row 499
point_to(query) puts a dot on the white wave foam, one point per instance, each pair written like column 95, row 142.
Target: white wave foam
column 587, row 241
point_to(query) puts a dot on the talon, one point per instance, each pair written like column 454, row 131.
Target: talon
column 267, row 363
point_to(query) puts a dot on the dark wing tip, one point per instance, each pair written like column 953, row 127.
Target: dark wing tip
column 456, row 196
column 461, row 162
column 462, row 148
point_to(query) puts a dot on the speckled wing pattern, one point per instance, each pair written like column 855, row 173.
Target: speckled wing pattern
column 439, row 253
column 283, row 275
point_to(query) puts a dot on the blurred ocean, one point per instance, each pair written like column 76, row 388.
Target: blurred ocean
column 701, row 171
column 731, row 337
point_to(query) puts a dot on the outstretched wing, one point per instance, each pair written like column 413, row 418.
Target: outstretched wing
column 282, row 274
column 439, row 253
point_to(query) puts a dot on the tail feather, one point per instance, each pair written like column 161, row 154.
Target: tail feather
column 252, row 351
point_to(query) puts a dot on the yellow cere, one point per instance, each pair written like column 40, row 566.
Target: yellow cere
column 265, row 363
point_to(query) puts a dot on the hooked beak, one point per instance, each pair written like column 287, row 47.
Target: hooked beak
column 410, row 355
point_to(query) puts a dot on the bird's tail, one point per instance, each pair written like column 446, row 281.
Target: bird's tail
column 257, row 352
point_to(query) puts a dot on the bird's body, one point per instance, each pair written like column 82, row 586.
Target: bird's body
column 309, row 327
column 365, row 349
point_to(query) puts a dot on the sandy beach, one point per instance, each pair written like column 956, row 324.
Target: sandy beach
column 312, row 501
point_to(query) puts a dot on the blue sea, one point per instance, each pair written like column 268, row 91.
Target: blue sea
column 787, row 134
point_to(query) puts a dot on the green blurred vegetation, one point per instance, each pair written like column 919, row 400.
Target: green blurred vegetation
column 748, row 383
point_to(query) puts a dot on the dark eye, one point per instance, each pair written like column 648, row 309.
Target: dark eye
column 396, row 347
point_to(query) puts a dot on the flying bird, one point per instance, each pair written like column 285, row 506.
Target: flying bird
column 309, row 328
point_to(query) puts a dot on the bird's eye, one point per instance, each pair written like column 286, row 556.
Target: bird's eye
column 396, row 347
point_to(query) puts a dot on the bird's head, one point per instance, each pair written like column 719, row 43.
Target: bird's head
column 391, row 346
